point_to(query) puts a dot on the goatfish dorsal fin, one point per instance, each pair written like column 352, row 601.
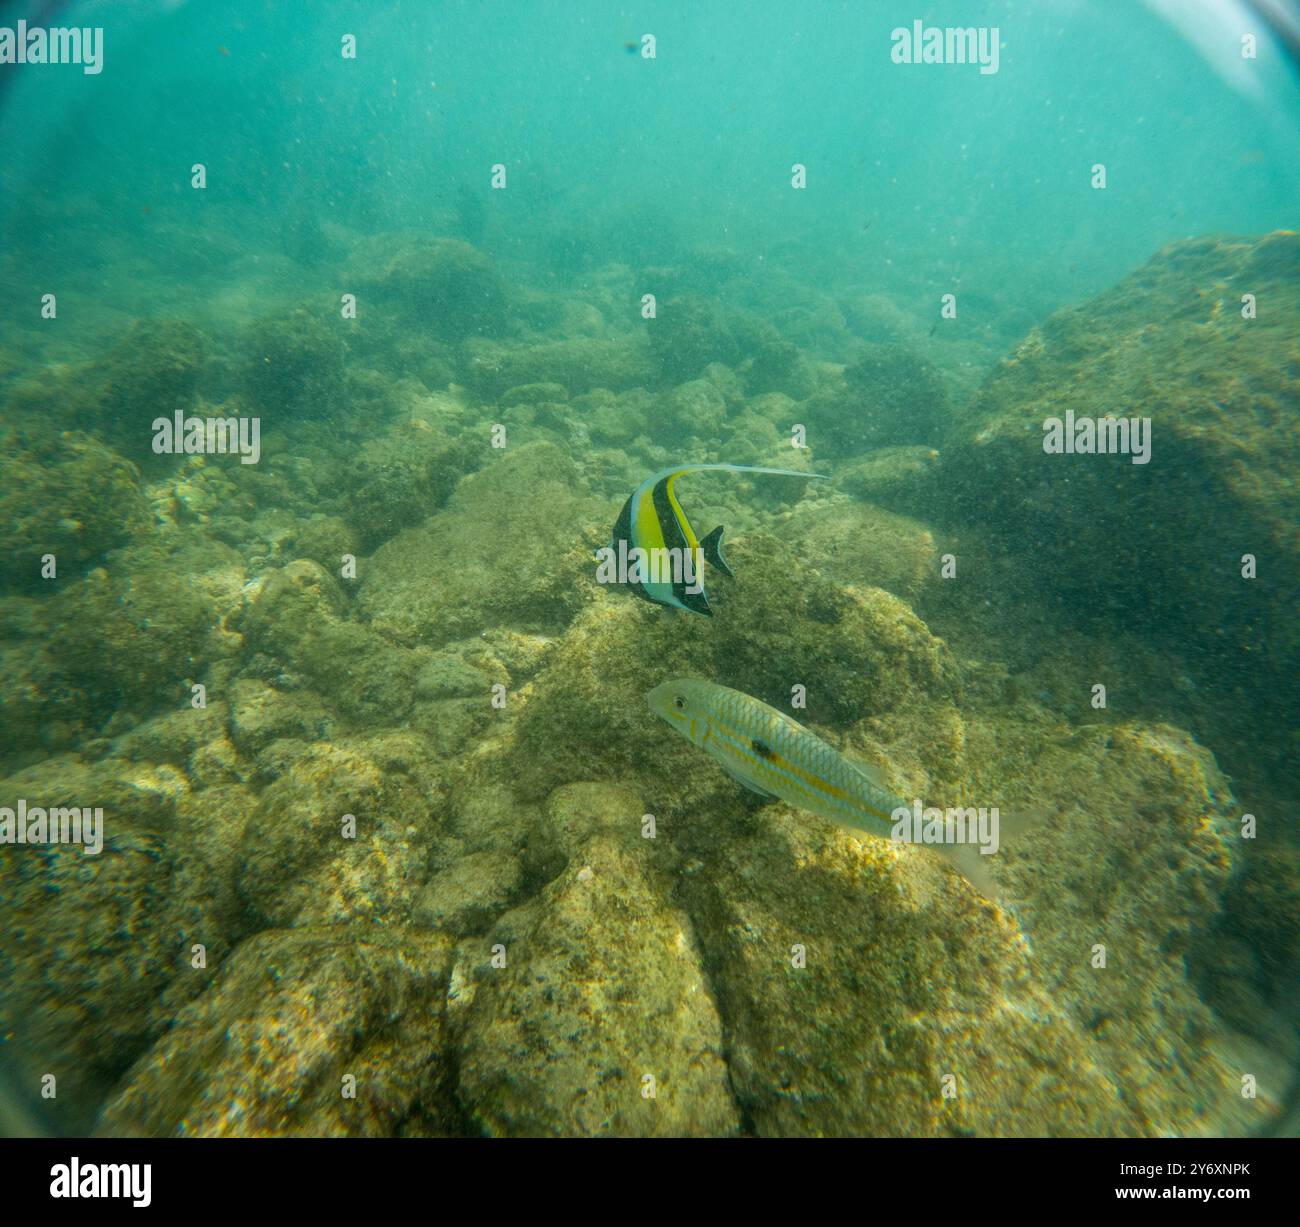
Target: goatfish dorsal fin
column 652, row 521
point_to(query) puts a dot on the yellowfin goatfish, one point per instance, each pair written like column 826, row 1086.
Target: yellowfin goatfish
column 774, row 756
column 652, row 521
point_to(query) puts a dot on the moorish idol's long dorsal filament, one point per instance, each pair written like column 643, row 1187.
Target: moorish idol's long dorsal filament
column 653, row 520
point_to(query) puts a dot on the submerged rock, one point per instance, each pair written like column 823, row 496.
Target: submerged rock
column 342, row 834
column 260, row 714
column 600, row 1024
column 1116, row 893
column 864, row 996
column 400, row 478
column 857, row 652
column 861, row 544
column 90, row 942
column 444, row 285
column 491, row 370
column 300, row 618
column 902, row 479
column 293, row 364
column 1120, row 539
column 132, row 635
column 506, row 550
column 151, row 372
column 695, row 410
column 471, row 893
column 890, row 396
column 65, row 495
column 329, row 1032
column 688, row 333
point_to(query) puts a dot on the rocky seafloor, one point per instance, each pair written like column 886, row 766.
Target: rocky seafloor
column 498, row 941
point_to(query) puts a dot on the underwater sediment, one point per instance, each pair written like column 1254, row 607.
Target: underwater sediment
column 423, row 831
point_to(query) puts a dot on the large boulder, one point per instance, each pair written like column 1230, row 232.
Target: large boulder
column 329, row 1032
column 1159, row 544
column 600, row 1023
column 64, row 494
column 508, row 549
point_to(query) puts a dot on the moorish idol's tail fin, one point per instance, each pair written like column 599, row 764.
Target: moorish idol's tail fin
column 712, row 547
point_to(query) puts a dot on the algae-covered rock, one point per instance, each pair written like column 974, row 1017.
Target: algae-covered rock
column 770, row 363
column 1120, row 539
column 329, row 1032
column 864, row 995
column 534, row 394
column 576, row 812
column 759, row 435
column 90, row 941
column 855, row 652
column 403, row 476
column 578, row 364
column 1118, row 891
column 341, row 834
column 508, row 549
column 902, row 479
column 65, row 495
column 173, row 737
column 692, row 410
column 890, row 396
column 132, row 634
column 36, row 707
column 857, row 543
column 261, row 714
column 293, row 363
column 151, row 372
column 301, row 618
column 326, row 540
column 687, row 334
column 460, row 670
column 471, row 893
column 443, row 285
column 600, row 1023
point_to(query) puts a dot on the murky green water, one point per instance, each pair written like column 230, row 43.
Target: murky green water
column 333, row 341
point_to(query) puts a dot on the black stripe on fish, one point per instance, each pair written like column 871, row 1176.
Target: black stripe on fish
column 762, row 749
column 623, row 532
column 675, row 538
column 623, row 525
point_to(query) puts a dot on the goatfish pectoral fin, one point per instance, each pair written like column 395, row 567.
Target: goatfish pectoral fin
column 744, row 783
column 712, row 547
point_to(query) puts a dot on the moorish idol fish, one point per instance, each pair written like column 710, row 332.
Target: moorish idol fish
column 653, row 521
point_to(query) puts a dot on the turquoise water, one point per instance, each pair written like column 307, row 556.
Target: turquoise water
column 475, row 283
column 913, row 169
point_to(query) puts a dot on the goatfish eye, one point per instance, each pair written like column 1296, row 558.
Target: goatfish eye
column 679, row 703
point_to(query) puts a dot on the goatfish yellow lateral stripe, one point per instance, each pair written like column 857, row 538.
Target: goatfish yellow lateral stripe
column 652, row 521
column 775, row 756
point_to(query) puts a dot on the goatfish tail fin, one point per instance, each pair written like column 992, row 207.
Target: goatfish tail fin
column 974, row 865
column 712, row 547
